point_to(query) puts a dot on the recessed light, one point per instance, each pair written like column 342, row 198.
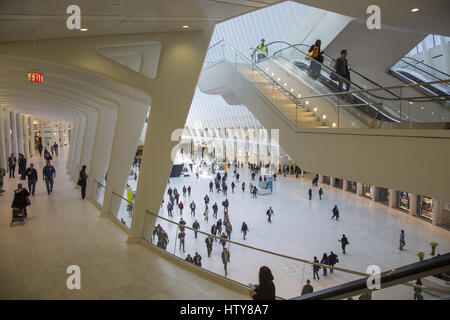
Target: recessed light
column 299, row 95
column 315, row 109
column 324, row 116
column 334, row 124
column 185, row 27
column 415, row 10
column 306, row 102
column 421, row 108
column 84, row 29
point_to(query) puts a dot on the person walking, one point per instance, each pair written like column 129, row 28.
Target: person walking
column 192, row 206
column 184, row 191
column 223, row 241
column 344, row 243
column 55, row 147
column 310, row 193
column 209, row 244
column 228, row 230
column 316, row 269
column 169, row 192
column 181, row 237
column 265, row 289
column 12, row 161
column 211, row 185
column 32, row 176
column 182, row 224
column 269, row 214
column 205, row 214
column 21, row 200
column 244, row 229
column 83, row 181
column 215, row 208
column 320, row 193
column 307, row 288
column 341, row 67
column 233, row 185
column 262, row 51
column 335, row 213
column 219, row 226
column 254, row 191
column 181, row 207
column 324, row 261
column 49, row 173
column 169, row 209
column 332, row 260
column 22, row 166
column 196, row 226
column 243, row 186
column 197, row 259
column 214, row 230
column 40, row 149
column 47, row 155
column 206, row 198
column 225, row 259
column 402, row 240
column 189, row 191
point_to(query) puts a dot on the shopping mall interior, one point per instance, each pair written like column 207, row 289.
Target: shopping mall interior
column 310, row 137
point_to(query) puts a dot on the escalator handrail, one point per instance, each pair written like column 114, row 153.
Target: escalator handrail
column 426, row 65
column 331, row 69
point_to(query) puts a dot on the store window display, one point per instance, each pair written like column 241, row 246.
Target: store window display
column 425, row 207
column 367, row 191
column 403, row 200
column 351, row 186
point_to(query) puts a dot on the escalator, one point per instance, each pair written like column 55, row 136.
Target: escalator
column 410, row 70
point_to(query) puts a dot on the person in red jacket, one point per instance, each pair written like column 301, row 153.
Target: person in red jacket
column 181, row 207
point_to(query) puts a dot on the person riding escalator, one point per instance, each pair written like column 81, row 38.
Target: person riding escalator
column 341, row 67
column 316, row 56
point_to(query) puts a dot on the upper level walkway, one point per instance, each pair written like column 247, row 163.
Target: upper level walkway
column 63, row 230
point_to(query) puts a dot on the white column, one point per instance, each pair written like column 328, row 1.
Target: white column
column 32, row 143
column 178, row 69
column 26, row 138
column 437, row 211
column 3, row 135
column 412, row 204
column 19, row 128
column 445, row 46
column 359, row 188
column 7, row 131
column 392, row 200
column 374, row 193
column 345, row 184
column 14, row 133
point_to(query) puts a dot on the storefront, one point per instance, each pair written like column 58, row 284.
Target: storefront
column 352, row 186
column 367, row 191
column 425, row 207
column 338, row 183
column 382, row 196
column 403, row 200
column 326, row 180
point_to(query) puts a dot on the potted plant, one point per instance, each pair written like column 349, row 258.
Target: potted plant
column 433, row 247
column 421, row 255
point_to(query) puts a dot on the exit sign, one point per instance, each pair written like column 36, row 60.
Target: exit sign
column 35, row 77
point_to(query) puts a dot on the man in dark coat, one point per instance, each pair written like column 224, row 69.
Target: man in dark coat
column 341, row 67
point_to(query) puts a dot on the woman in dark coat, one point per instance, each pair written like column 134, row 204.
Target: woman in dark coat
column 20, row 199
column 83, row 181
column 265, row 290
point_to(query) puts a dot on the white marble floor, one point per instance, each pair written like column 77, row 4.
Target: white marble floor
column 64, row 230
column 304, row 229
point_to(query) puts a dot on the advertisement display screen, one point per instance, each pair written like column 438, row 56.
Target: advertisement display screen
column 403, row 200
column 426, row 207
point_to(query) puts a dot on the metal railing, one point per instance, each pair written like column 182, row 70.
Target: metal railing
column 254, row 258
column 121, row 209
column 377, row 107
column 98, row 192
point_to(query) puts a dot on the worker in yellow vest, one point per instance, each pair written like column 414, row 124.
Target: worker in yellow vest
column 263, row 51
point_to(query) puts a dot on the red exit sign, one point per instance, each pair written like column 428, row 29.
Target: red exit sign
column 35, row 77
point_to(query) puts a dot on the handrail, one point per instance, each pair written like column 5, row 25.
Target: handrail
column 389, row 278
column 415, row 67
column 426, row 65
column 123, row 198
column 278, row 254
column 100, row 183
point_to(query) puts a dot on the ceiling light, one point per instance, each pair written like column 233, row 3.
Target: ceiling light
column 267, row 69
column 315, row 109
column 285, row 84
column 273, row 74
column 324, row 116
column 278, row 79
column 334, row 124
column 432, row 112
column 292, row 89
column 299, row 95
column 411, row 102
column 185, row 27
column 421, row 108
column 415, row 10
column 307, row 102
column 84, row 29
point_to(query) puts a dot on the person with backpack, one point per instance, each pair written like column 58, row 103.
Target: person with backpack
column 198, row 259
column 335, row 213
column 316, row 269
column 244, row 229
column 196, row 226
column 315, row 55
column 344, row 242
column 332, row 260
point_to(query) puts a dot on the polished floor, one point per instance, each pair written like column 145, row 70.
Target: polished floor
column 303, row 228
column 64, row 230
